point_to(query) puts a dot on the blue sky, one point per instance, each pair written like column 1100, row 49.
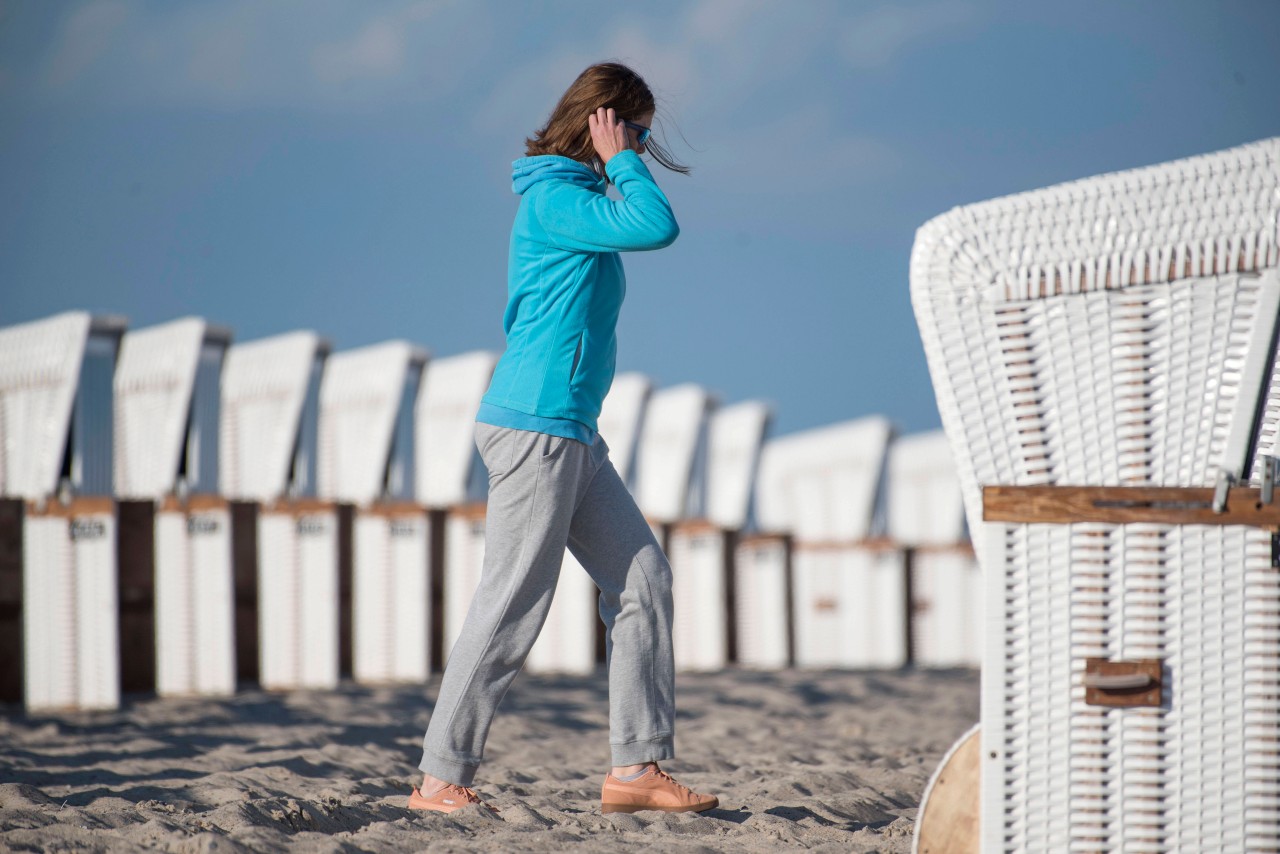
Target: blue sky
column 345, row 166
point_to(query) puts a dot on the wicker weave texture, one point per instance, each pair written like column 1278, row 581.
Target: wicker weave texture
column 850, row 607
column 1201, row 772
column 1118, row 331
column 360, row 399
column 823, row 485
column 445, row 420
column 735, row 436
column 925, row 506
column 671, row 463
column 1110, row 331
column 699, row 635
column 154, row 379
column 463, row 566
column 298, row 599
column 195, row 603
column 264, row 389
column 621, row 419
column 946, row 608
column 390, row 592
column 39, row 371
column 760, row 602
column 70, row 626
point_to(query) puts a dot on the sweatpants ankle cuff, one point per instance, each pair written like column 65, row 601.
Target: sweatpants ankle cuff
column 646, row 750
column 449, row 770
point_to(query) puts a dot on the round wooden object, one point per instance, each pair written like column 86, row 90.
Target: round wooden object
column 948, row 819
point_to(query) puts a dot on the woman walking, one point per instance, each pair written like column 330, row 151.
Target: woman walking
column 551, row 483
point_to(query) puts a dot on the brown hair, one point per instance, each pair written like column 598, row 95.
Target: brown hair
column 608, row 84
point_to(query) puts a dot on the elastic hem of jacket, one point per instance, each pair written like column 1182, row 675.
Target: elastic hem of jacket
column 502, row 416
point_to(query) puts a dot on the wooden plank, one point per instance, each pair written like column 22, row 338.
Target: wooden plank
column 395, row 509
column 80, row 505
column 299, row 506
column 193, row 503
column 950, row 815
column 1126, row 505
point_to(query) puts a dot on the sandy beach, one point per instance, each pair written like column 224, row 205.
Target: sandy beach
column 823, row 761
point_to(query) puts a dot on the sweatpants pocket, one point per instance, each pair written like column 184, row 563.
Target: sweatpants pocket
column 497, row 447
column 552, row 448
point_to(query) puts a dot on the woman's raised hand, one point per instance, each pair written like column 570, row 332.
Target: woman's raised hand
column 608, row 133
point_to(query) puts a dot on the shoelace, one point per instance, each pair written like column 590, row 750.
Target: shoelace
column 664, row 775
column 469, row 795
column 466, row 794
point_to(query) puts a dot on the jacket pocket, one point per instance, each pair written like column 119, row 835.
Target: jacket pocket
column 577, row 360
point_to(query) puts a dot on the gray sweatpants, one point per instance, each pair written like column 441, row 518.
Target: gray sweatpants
column 546, row 492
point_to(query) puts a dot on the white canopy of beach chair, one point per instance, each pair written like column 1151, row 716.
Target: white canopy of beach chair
column 735, row 438
column 167, row 401
column 270, row 414
column 622, row 418
column 924, row 504
column 672, row 457
column 365, row 395
column 446, row 414
column 822, row 484
column 41, row 364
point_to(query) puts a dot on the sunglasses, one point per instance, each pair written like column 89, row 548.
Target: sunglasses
column 642, row 133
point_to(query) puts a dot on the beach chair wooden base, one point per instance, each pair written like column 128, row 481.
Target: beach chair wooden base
column 949, row 813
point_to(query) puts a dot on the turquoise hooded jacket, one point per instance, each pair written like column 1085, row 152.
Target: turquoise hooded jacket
column 565, row 287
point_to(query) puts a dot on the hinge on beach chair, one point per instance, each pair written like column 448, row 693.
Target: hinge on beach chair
column 1225, row 480
column 1267, row 490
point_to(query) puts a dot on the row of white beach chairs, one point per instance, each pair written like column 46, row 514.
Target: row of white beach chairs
column 1106, row 364
column 195, row 514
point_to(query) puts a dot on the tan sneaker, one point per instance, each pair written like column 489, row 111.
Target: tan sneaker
column 448, row 799
column 655, row 790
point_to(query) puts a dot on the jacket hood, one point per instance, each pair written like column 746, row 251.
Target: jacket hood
column 528, row 171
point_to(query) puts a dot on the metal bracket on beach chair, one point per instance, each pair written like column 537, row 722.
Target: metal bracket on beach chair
column 1268, row 478
column 1123, row 683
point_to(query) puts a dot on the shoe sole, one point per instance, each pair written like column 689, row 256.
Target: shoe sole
column 608, row 808
column 422, row 806
column 449, row 810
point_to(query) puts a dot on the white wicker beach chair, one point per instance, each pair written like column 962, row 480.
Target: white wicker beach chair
column 849, row 589
column 269, row 454
column 671, row 491
column 1119, row 331
column 451, row 476
column 671, row 460
column 762, row 600
column 701, row 550
column 167, row 403
column 448, row 463
column 56, row 455
column 366, row 436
